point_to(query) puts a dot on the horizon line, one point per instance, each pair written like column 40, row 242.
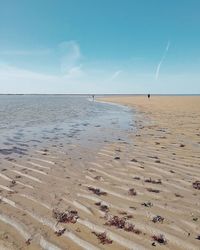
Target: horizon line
column 97, row 94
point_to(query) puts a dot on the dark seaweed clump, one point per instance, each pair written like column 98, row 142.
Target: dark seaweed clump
column 158, row 218
column 132, row 192
column 153, row 190
column 97, row 191
column 153, row 181
column 122, row 223
column 103, row 238
column 160, row 239
column 147, row 204
column 70, row 216
column 196, row 185
column 60, row 232
column 102, row 207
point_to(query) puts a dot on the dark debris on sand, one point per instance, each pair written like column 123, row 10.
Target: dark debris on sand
column 60, row 232
column 97, row 191
column 117, row 158
column 158, row 218
column 153, row 190
column 13, row 183
column 132, row 192
column 196, row 185
column 134, row 160
column 160, row 239
column 136, row 178
column 98, row 177
column 28, row 241
column 147, row 204
column 102, row 207
column 127, row 216
column 179, row 195
column 122, row 223
column 103, row 238
column 153, row 181
column 69, row 216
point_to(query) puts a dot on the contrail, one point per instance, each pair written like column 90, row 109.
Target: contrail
column 161, row 61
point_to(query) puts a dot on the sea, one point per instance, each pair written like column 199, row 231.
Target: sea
column 30, row 122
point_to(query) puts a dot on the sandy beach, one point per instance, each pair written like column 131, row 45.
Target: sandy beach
column 140, row 193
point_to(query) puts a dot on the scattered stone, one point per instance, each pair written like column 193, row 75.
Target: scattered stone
column 182, row 145
column 198, row 237
column 103, row 238
column 97, row 191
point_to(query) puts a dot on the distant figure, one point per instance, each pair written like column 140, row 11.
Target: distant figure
column 93, row 97
column 149, row 96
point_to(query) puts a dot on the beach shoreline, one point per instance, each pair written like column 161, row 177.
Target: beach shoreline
column 130, row 194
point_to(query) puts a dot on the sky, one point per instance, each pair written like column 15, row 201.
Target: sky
column 100, row 46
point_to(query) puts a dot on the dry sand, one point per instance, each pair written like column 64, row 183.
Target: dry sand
column 152, row 174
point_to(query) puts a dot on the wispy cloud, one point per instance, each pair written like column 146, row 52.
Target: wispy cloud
column 75, row 72
column 162, row 60
column 67, row 53
column 38, row 52
column 115, row 75
column 70, row 55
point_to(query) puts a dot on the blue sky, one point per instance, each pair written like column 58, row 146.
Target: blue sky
column 100, row 46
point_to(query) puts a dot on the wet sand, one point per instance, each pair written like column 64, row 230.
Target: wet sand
column 134, row 190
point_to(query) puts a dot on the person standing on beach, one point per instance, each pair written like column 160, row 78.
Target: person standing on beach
column 149, row 96
column 93, row 97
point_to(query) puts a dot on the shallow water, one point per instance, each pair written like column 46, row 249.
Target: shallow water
column 28, row 121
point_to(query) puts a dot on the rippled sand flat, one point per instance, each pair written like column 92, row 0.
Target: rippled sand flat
column 150, row 174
